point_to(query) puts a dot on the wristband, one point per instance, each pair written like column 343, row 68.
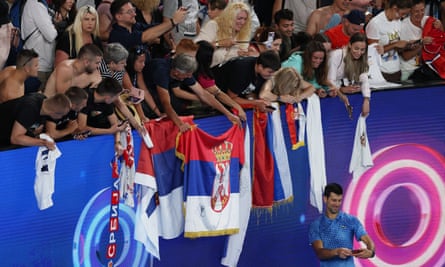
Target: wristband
column 173, row 23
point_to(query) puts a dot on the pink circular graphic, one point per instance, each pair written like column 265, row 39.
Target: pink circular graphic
column 405, row 179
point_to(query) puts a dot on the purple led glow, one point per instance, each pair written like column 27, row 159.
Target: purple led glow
column 420, row 172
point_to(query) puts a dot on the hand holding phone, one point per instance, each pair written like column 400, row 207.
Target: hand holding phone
column 356, row 251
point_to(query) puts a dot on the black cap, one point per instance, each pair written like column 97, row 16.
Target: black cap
column 355, row 17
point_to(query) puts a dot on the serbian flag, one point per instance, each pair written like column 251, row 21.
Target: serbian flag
column 159, row 212
column 271, row 172
column 211, row 168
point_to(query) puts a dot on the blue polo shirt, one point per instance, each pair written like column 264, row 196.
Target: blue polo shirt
column 336, row 233
column 159, row 75
column 126, row 38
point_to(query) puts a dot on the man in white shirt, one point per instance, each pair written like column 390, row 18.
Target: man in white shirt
column 412, row 31
column 385, row 29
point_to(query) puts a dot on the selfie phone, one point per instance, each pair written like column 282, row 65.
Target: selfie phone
column 86, row 133
column 82, row 134
column 269, row 41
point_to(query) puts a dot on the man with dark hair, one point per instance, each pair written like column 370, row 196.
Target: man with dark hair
column 98, row 116
column 243, row 78
column 126, row 31
column 284, row 21
column 165, row 82
column 81, row 72
column 28, row 116
column 12, row 78
column 331, row 235
column 67, row 125
column 385, row 29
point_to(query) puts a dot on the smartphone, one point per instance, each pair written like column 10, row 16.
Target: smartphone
column 271, row 107
column 82, row 134
column 356, row 251
column 86, row 133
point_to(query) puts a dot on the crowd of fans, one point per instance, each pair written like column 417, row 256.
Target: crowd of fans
column 72, row 69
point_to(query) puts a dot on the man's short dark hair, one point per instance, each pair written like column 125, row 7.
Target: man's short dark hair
column 76, row 94
column 283, row 14
column 25, row 56
column 333, row 188
column 416, row 2
column 116, row 6
column 90, row 50
column 269, row 59
column 400, row 3
column 109, row 86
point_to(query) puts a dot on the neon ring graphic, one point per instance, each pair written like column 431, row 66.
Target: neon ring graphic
column 407, row 180
column 91, row 235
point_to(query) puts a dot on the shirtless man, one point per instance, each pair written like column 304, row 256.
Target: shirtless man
column 84, row 72
column 323, row 17
column 81, row 72
column 12, row 78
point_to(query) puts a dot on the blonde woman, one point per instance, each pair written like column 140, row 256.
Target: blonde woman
column 85, row 30
column 229, row 33
column 286, row 86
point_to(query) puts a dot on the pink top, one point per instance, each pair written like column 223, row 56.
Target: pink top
column 205, row 81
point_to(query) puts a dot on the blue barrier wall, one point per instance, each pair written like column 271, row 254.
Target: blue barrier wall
column 400, row 200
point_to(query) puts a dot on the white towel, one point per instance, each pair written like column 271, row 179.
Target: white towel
column 315, row 144
column 301, row 123
column 361, row 159
column 45, row 168
column 235, row 242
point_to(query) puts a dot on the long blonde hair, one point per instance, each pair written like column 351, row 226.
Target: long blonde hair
column 76, row 28
column 226, row 22
column 286, row 81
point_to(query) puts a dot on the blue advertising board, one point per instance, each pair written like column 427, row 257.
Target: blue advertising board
column 400, row 200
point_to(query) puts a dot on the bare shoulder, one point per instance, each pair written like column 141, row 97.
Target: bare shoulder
column 6, row 72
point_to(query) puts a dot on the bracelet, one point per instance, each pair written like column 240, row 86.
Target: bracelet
column 118, row 143
column 278, row 99
column 173, row 23
column 373, row 253
column 217, row 44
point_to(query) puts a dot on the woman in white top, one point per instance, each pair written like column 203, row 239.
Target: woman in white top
column 348, row 69
column 229, row 33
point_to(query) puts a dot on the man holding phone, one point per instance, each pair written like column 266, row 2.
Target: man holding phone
column 98, row 116
column 331, row 235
